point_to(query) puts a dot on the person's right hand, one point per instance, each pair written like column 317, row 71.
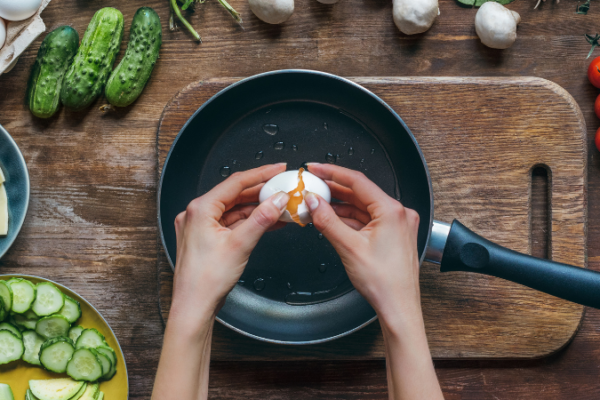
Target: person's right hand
column 375, row 236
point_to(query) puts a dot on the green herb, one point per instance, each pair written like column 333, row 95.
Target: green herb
column 583, row 8
column 186, row 4
column 478, row 3
column 593, row 40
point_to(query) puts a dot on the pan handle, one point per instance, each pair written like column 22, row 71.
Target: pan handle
column 464, row 250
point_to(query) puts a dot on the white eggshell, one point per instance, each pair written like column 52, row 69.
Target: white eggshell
column 18, row 10
column 2, row 32
column 288, row 181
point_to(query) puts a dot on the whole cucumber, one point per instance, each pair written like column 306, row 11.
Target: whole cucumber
column 54, row 57
column 128, row 80
column 91, row 67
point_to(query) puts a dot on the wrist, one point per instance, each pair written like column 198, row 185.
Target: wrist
column 191, row 319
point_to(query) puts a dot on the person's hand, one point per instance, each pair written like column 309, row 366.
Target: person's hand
column 375, row 236
column 215, row 236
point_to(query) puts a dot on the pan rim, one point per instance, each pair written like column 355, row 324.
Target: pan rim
column 282, row 72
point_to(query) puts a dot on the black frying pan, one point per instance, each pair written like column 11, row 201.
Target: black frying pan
column 294, row 289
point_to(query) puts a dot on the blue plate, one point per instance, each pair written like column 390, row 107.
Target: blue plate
column 17, row 187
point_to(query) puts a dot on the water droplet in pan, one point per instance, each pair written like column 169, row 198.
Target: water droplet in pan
column 351, row 151
column 279, row 146
column 271, row 129
column 320, row 236
column 372, row 151
column 325, row 125
column 330, row 158
column 322, row 268
column 259, row 284
column 225, row 171
column 259, row 155
column 294, row 147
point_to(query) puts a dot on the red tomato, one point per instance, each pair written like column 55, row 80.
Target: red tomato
column 597, row 139
column 594, row 72
column 597, row 106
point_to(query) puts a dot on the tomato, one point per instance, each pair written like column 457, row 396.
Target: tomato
column 594, row 72
column 597, row 106
column 597, row 139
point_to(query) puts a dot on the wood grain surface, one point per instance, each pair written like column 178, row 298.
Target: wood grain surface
column 92, row 220
column 529, row 122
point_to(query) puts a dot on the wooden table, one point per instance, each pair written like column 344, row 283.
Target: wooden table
column 92, row 222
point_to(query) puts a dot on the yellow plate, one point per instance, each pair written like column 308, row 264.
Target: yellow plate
column 18, row 373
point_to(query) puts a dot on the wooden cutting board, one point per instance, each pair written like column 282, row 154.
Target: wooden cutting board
column 481, row 138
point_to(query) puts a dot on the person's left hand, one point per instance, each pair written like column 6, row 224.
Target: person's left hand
column 215, row 236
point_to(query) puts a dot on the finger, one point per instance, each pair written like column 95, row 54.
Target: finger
column 328, row 223
column 230, row 189
column 350, row 211
column 265, row 216
column 352, row 223
column 239, row 212
column 365, row 190
column 250, row 195
column 344, row 194
column 278, row 225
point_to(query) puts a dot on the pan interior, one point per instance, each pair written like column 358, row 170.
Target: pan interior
column 294, row 288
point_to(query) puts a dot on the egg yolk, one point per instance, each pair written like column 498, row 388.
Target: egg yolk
column 296, row 198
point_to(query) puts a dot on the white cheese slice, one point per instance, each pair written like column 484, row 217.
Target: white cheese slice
column 3, row 211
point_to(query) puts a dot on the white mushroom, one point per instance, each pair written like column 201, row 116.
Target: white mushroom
column 272, row 11
column 496, row 25
column 415, row 16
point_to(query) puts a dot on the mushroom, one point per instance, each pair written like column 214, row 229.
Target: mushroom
column 272, row 11
column 496, row 25
column 327, row 1
column 415, row 16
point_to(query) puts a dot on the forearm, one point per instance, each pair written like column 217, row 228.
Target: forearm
column 410, row 371
column 185, row 358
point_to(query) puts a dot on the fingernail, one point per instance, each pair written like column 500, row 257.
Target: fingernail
column 312, row 201
column 280, row 200
column 282, row 163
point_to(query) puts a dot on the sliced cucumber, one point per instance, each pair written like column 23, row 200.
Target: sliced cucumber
column 6, row 392
column 30, row 396
column 26, row 321
column 3, row 310
column 52, row 326
column 80, row 393
column 11, row 347
column 49, row 299
column 6, row 294
column 100, row 396
column 85, row 366
column 55, row 353
column 91, row 392
column 90, row 338
column 105, row 361
column 71, row 310
column 9, row 327
column 75, row 332
column 23, row 294
column 33, row 343
column 55, row 389
column 110, row 353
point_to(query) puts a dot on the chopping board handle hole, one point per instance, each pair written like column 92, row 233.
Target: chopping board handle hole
column 539, row 212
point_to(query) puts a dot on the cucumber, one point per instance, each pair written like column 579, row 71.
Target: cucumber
column 128, row 80
column 91, row 392
column 93, row 63
column 71, row 310
column 106, row 363
column 29, row 395
column 26, row 321
column 11, row 347
column 55, row 353
column 3, row 310
column 5, row 326
column 53, row 58
column 6, row 392
column 100, row 396
column 49, row 299
column 85, row 366
column 80, row 393
column 90, row 338
column 55, row 389
column 75, row 332
column 110, row 353
column 52, row 326
column 6, row 294
column 23, row 294
column 33, row 343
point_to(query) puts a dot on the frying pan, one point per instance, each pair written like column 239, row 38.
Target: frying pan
column 294, row 289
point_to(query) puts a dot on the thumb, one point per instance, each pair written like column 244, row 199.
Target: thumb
column 262, row 218
column 328, row 223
